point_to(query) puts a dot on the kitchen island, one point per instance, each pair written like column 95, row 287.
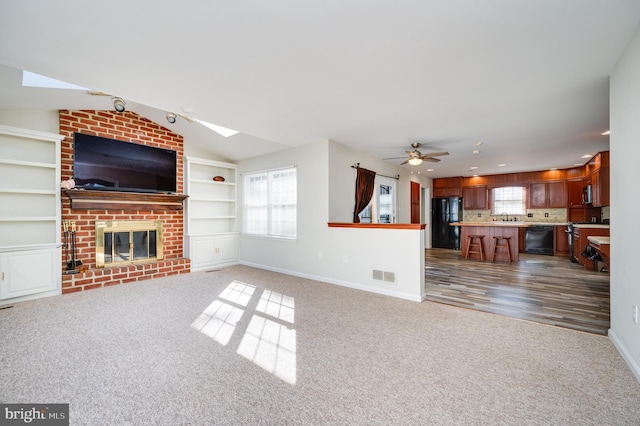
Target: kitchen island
column 490, row 230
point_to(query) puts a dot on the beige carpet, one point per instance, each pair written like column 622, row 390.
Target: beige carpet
column 244, row 346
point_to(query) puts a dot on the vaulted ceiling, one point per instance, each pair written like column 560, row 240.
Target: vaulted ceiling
column 528, row 78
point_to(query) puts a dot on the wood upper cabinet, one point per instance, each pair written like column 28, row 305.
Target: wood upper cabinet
column 547, row 195
column 447, row 187
column 475, row 198
column 600, row 187
column 557, row 195
column 574, row 190
column 538, row 195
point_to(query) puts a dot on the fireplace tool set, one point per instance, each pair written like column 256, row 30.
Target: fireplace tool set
column 69, row 229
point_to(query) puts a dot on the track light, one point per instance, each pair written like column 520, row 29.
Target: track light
column 119, row 104
column 171, row 117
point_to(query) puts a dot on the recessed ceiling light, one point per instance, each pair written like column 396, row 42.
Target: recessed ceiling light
column 478, row 143
column 475, row 151
column 577, row 164
column 607, row 133
column 501, row 165
column 473, row 168
column 429, row 170
column 587, row 156
column 553, row 169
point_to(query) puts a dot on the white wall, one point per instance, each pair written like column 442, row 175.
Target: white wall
column 343, row 256
column 625, row 175
column 44, row 121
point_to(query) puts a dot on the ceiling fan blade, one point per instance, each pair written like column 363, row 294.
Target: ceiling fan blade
column 395, row 158
column 405, row 162
column 431, row 159
column 434, row 154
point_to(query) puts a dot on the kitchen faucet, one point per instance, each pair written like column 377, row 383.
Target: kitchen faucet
column 503, row 213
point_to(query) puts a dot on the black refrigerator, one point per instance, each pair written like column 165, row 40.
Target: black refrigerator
column 443, row 212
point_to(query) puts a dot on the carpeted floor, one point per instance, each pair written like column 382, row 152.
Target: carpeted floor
column 244, row 346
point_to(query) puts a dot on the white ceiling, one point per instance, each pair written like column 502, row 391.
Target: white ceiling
column 528, row 78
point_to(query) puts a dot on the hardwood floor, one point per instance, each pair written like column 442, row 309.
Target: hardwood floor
column 545, row 289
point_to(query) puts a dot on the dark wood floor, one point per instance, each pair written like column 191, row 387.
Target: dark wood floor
column 545, row 289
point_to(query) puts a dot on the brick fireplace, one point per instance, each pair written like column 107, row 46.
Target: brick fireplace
column 130, row 127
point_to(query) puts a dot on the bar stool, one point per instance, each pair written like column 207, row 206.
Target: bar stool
column 474, row 246
column 500, row 241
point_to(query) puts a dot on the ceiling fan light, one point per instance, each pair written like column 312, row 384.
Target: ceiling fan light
column 415, row 161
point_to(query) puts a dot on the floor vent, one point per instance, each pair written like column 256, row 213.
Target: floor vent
column 389, row 277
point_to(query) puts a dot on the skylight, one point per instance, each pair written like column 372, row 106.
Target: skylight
column 30, row 79
column 218, row 129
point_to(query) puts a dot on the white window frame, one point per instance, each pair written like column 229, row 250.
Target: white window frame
column 495, row 210
column 269, row 204
column 374, row 205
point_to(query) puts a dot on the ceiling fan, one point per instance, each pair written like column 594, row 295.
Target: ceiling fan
column 416, row 157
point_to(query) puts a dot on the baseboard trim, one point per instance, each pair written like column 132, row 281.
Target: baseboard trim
column 340, row 283
column 635, row 368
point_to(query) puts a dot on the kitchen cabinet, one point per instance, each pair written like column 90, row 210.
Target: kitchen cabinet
column 447, row 187
column 600, row 187
column 547, row 195
column 522, row 238
column 580, row 241
column 574, row 192
column 475, row 198
column 560, row 241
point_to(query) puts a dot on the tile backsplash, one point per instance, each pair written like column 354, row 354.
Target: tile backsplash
column 538, row 216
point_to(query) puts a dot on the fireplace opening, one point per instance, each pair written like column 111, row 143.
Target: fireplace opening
column 128, row 242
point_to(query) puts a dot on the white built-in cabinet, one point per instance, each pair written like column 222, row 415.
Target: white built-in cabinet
column 30, row 247
column 211, row 227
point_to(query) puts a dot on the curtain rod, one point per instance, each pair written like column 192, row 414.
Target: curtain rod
column 396, row 177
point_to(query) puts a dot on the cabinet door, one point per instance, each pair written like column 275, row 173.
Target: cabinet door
column 227, row 249
column 575, row 192
column 28, row 272
column 475, row 198
column 538, row 195
column 561, row 241
column 557, row 195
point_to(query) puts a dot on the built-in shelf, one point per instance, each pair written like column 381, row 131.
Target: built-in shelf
column 83, row 199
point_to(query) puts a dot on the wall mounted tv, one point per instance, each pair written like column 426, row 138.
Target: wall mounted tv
column 114, row 165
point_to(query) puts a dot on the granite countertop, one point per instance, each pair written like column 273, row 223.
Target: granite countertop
column 599, row 239
column 590, row 225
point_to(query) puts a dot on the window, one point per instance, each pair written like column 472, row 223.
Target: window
column 509, row 199
column 270, row 203
column 382, row 207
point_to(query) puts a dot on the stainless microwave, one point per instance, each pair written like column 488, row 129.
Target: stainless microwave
column 587, row 195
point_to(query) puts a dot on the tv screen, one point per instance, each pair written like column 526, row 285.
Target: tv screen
column 110, row 164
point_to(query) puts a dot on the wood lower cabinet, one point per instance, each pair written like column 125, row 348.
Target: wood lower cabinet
column 581, row 241
column 522, row 248
column 560, row 241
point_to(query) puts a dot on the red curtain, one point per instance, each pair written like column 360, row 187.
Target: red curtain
column 365, row 183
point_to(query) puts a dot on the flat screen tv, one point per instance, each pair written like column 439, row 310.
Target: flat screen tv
column 110, row 164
